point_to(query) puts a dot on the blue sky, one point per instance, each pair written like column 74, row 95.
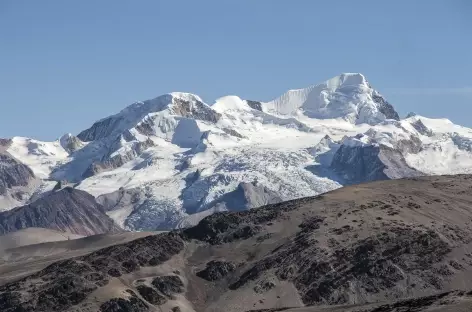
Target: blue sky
column 65, row 64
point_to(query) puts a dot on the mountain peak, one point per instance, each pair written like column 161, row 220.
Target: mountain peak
column 348, row 96
column 348, row 79
column 69, row 210
column 176, row 103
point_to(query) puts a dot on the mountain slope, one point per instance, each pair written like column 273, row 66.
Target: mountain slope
column 17, row 181
column 380, row 246
column 169, row 161
column 348, row 96
column 66, row 210
column 30, row 236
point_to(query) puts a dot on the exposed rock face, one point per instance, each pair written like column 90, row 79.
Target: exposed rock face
column 71, row 143
column 385, row 107
column 13, row 174
column 132, row 304
column 168, row 285
column 413, row 145
column 122, row 198
column 17, row 181
column 233, row 133
column 442, row 302
column 67, row 283
column 461, row 142
column 254, row 105
column 216, row 270
column 325, row 150
column 351, row 266
column 197, row 110
column 146, row 127
column 4, row 144
column 68, row 210
column 264, row 286
column 356, row 164
column 151, row 295
column 100, row 129
column 372, row 264
column 247, row 196
column 111, row 162
column 60, row 185
column 421, row 128
column 142, row 116
column 227, row 227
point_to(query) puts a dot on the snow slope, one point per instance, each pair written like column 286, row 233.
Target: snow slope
column 171, row 160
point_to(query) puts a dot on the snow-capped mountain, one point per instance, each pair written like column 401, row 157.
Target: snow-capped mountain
column 174, row 159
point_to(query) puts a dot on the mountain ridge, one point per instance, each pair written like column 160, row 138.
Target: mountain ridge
column 65, row 210
column 175, row 155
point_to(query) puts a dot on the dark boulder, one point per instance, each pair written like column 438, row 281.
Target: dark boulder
column 216, row 270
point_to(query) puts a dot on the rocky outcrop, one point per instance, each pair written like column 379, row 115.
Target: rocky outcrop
column 17, row 181
column 247, row 196
column 67, row 210
column 123, row 198
column 412, row 145
column 254, row 105
column 325, row 150
column 71, row 143
column 100, row 129
column 131, row 304
column 169, row 285
column 462, row 142
column 67, row 283
column 112, row 162
column 234, row 133
column 442, row 302
column 385, row 107
column 13, row 174
column 4, row 144
column 421, row 128
column 373, row 264
column 151, row 295
column 216, row 270
column 228, row 227
column 370, row 162
column 195, row 109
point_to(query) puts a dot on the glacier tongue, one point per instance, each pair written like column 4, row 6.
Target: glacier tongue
column 169, row 161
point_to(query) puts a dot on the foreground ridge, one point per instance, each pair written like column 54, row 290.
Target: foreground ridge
column 379, row 246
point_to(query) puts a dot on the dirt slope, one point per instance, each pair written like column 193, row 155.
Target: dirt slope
column 400, row 245
column 66, row 210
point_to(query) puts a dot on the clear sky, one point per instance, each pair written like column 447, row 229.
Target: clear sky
column 65, row 64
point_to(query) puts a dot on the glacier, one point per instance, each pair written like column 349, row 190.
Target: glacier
column 172, row 160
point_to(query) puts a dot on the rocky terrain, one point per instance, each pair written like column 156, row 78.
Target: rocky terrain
column 17, row 181
column 66, row 210
column 384, row 246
